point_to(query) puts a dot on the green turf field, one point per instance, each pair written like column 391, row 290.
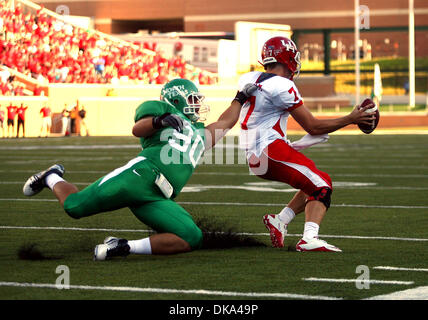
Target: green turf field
column 378, row 217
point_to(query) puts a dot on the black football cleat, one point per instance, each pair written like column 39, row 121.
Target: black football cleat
column 112, row 247
column 36, row 182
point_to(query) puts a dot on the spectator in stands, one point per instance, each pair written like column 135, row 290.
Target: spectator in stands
column 18, row 89
column 52, row 50
column 21, row 120
column 38, row 91
column 11, row 113
column 6, row 88
column 46, row 120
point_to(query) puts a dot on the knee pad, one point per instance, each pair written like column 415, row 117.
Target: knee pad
column 323, row 195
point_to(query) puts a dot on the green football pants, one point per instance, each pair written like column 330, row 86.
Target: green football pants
column 133, row 186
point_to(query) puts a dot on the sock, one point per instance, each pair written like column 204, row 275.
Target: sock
column 286, row 215
column 141, row 246
column 52, row 179
column 311, row 230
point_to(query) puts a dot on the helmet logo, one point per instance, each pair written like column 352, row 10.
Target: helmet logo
column 169, row 93
column 289, row 46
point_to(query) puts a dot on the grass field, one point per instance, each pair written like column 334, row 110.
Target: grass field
column 378, row 218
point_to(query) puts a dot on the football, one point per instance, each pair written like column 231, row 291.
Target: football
column 370, row 128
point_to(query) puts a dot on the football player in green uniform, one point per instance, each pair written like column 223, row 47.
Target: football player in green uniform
column 173, row 141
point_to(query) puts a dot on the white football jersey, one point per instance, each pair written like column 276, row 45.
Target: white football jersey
column 264, row 116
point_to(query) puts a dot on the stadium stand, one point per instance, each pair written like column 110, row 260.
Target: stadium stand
column 39, row 44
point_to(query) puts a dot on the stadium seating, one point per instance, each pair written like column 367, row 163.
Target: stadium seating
column 53, row 51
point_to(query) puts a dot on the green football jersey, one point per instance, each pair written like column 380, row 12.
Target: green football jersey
column 176, row 154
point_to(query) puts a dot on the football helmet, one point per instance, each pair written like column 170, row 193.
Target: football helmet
column 183, row 95
column 282, row 50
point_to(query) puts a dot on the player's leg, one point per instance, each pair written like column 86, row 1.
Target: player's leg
column 295, row 206
column 61, row 189
column 50, row 178
column 129, row 185
column 292, row 167
column 176, row 230
column 176, row 233
column 125, row 186
column 277, row 224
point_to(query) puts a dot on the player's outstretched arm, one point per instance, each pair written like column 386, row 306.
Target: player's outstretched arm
column 217, row 130
column 315, row 126
column 143, row 128
column 147, row 126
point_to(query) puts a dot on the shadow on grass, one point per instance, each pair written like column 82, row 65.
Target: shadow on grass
column 29, row 251
column 220, row 236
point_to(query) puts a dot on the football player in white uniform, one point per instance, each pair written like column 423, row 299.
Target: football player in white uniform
column 263, row 121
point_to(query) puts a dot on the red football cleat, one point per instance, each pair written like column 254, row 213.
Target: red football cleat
column 277, row 229
column 315, row 244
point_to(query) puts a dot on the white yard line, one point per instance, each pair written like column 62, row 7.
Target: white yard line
column 371, row 281
column 282, row 205
column 73, row 147
column 249, row 204
column 20, row 182
column 74, row 229
column 418, row 293
column 264, row 188
column 96, row 146
column 239, row 233
column 171, row 291
column 400, row 269
column 320, row 166
column 73, row 171
column 369, row 175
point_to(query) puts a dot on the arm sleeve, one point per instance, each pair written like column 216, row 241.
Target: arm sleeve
column 149, row 108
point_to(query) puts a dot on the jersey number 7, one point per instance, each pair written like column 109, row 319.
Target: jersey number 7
column 249, row 112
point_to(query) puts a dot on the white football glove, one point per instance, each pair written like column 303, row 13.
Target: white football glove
column 308, row 141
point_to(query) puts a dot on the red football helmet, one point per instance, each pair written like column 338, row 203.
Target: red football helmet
column 282, row 50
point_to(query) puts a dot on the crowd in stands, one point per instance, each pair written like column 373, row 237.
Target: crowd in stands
column 52, row 51
column 9, row 86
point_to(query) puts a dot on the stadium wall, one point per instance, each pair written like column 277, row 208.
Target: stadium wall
column 114, row 115
column 105, row 115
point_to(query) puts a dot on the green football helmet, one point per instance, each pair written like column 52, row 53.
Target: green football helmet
column 183, row 95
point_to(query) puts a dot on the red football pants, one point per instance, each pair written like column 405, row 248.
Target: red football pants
column 280, row 162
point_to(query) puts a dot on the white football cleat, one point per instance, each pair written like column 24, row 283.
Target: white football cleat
column 112, row 247
column 315, row 244
column 36, row 182
column 277, row 229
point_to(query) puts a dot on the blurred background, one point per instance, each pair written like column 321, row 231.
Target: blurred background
column 109, row 56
